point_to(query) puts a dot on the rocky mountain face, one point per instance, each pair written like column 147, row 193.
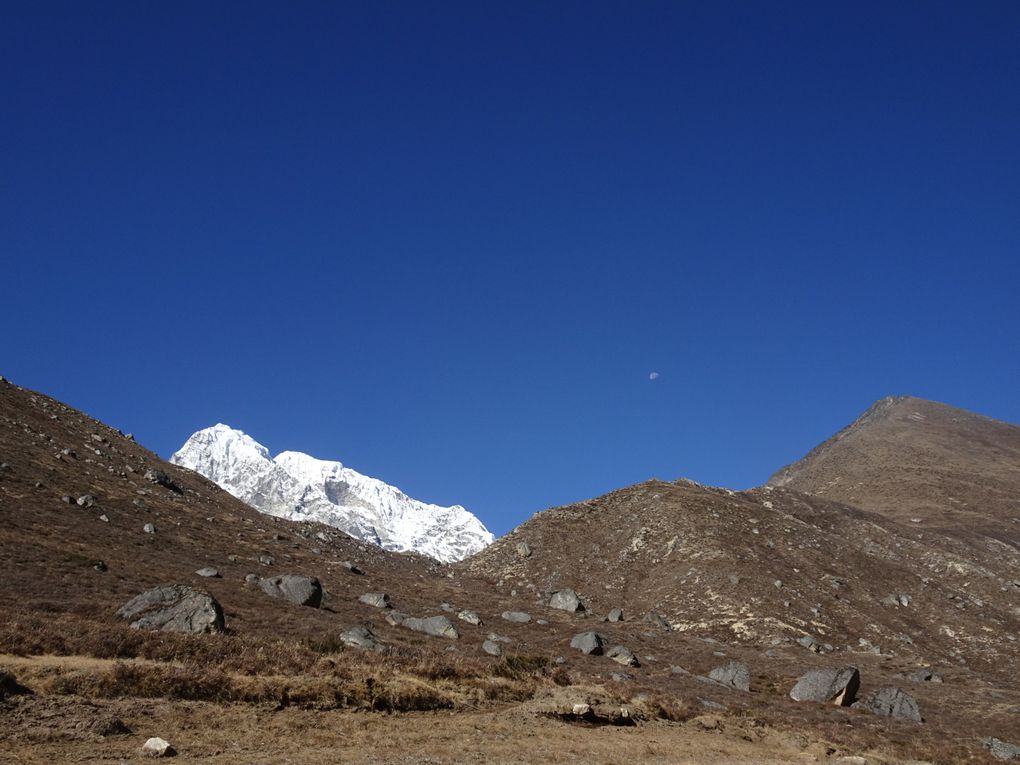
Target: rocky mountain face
column 296, row 486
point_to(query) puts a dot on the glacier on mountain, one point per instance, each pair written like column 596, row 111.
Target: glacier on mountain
column 298, row 487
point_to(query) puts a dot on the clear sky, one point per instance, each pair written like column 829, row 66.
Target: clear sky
column 449, row 243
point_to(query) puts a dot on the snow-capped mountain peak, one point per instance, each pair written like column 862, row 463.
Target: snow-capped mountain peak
column 297, row 486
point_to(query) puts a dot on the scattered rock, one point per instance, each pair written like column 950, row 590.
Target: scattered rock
column 158, row 477
column 838, row 686
column 923, row 676
column 301, row 590
column 352, row 568
column 620, row 677
column 86, row 500
column 616, row 615
column 266, row 560
column 589, row 643
column 362, row 636
column 499, row 638
column 658, row 620
column 67, row 499
column 812, row 644
column 470, row 617
column 174, row 608
column 104, row 518
column 209, row 571
column 622, row 655
column 158, row 747
column 896, row 599
column 492, row 648
column 1001, row 750
column 891, row 702
column 395, row 618
column 376, row 599
column 733, row 675
column 436, row 626
column 251, row 579
column 523, row 549
column 99, row 565
column 566, row 600
column 517, row 616
column 148, row 528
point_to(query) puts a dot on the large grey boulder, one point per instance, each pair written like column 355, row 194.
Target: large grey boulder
column 174, row 608
column 1001, row 750
column 838, row 686
column 362, row 636
column 436, row 626
column 301, row 590
column 891, row 702
column 566, row 600
column 517, row 616
column 376, row 599
column 623, row 655
column 589, row 643
column 734, row 675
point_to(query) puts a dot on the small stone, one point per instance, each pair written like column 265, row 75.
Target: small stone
column 104, row 518
column 86, row 500
column 616, row 615
column 158, row 747
column 251, row 579
column 470, row 617
column 67, row 499
column 208, row 571
column 517, row 616
column 492, row 648
column 376, row 599
column 266, row 560
column 622, row 655
column 352, row 568
column 148, row 528
column 523, row 550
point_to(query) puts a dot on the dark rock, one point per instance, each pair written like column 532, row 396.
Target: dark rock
column 566, row 600
column 300, row 590
column 1001, row 750
column 9, row 686
column 891, row 702
column 174, row 608
column 838, row 686
column 622, row 655
column 362, row 636
column 436, row 626
column 734, row 675
column 589, row 643
column 99, row 565
column 517, row 616
column 376, row 599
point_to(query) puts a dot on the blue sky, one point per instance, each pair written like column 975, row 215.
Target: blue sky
column 448, row 243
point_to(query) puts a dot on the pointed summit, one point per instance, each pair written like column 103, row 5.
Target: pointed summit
column 917, row 460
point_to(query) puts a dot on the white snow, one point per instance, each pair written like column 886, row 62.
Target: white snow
column 297, row 486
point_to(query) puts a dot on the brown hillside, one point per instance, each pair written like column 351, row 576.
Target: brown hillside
column 914, row 459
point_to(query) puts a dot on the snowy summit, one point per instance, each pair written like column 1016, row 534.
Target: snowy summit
column 298, row 487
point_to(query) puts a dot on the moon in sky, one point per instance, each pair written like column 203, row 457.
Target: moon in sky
column 653, row 376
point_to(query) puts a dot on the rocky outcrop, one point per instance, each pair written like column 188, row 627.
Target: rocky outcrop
column 362, row 636
column 733, row 675
column 174, row 608
column 891, row 702
column 436, row 626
